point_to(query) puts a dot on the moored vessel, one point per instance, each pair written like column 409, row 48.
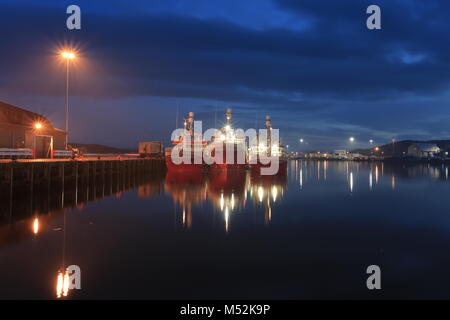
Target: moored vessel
column 233, row 155
column 267, row 150
column 189, row 148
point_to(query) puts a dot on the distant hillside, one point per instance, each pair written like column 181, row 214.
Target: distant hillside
column 399, row 147
column 98, row 148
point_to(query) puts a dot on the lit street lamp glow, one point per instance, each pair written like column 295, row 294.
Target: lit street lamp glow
column 68, row 55
column 351, row 139
column 301, row 140
column 38, row 125
column 370, row 141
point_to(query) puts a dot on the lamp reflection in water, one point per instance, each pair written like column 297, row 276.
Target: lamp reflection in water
column 260, row 193
column 36, row 225
column 274, row 193
column 62, row 284
column 227, row 219
column 351, row 182
column 227, row 204
column 376, row 174
column 268, row 190
column 186, row 190
column 301, row 178
column 227, row 191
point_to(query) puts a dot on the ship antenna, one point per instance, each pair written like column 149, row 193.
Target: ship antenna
column 269, row 135
column 215, row 118
column 176, row 116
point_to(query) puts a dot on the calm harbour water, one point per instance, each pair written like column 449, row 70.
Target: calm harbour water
column 310, row 234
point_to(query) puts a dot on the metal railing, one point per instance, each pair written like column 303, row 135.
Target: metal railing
column 15, row 153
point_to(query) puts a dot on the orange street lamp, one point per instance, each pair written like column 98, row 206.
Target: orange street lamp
column 68, row 55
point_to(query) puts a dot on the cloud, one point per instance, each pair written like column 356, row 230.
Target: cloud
column 312, row 61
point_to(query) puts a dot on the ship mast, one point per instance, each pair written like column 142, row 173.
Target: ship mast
column 191, row 123
column 228, row 117
column 269, row 135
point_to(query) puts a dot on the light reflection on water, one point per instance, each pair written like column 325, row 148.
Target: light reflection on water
column 227, row 192
column 309, row 234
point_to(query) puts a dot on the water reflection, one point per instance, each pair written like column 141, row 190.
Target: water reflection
column 204, row 224
column 25, row 211
column 28, row 211
column 227, row 192
column 313, row 172
column 186, row 190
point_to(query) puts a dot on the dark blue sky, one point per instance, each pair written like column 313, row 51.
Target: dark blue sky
column 311, row 64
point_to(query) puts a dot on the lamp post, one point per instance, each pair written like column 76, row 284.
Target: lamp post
column 68, row 56
column 37, row 126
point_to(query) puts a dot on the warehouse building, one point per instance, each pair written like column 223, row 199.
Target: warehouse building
column 20, row 128
column 423, row 150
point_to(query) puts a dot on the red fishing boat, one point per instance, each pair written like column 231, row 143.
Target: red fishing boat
column 233, row 148
column 191, row 148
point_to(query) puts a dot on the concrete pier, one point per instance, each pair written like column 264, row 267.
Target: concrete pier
column 35, row 173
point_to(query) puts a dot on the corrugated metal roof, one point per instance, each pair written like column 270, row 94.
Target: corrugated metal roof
column 15, row 115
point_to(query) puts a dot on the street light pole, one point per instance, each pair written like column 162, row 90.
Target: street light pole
column 68, row 55
column 67, row 102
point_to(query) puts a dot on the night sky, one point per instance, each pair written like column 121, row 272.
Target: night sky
column 311, row 64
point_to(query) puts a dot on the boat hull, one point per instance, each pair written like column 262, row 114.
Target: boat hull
column 224, row 166
column 184, row 167
column 256, row 168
